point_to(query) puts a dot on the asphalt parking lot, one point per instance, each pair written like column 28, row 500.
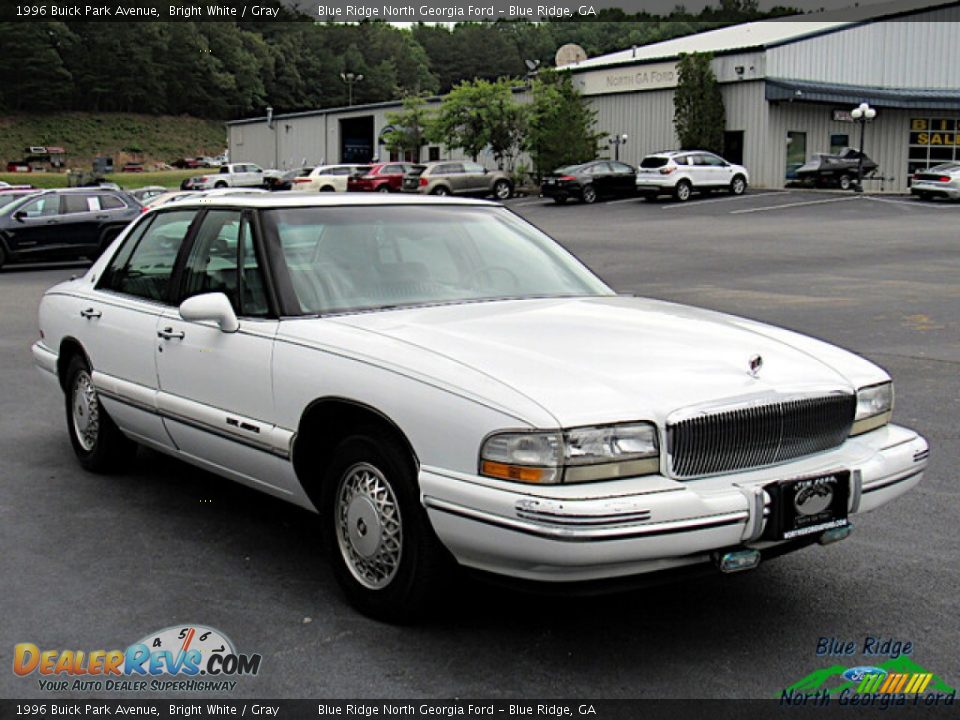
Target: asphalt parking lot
column 98, row 562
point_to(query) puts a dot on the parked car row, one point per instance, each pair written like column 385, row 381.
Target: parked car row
column 678, row 173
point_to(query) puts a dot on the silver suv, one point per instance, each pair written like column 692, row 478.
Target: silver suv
column 460, row 177
column 682, row 172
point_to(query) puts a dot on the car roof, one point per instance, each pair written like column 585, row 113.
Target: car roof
column 308, row 199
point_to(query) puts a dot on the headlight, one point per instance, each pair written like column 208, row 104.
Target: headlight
column 577, row 455
column 874, row 408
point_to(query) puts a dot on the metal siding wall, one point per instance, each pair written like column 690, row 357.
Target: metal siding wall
column 915, row 54
column 646, row 117
column 886, row 139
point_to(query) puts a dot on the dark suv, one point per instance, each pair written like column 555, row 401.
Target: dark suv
column 63, row 224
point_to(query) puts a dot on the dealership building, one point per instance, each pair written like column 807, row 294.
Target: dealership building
column 788, row 89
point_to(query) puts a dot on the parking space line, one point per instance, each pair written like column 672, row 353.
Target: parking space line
column 793, row 205
column 538, row 201
column 632, row 198
column 697, row 203
column 915, row 204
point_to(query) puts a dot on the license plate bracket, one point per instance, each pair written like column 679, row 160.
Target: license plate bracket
column 807, row 506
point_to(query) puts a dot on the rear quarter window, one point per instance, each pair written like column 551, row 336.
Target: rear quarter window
column 654, row 162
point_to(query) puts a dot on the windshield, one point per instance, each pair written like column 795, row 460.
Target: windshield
column 375, row 257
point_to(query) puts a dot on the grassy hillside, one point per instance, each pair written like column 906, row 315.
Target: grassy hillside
column 122, row 136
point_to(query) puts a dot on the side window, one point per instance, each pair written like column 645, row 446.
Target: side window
column 225, row 170
column 146, row 273
column 474, row 168
column 42, row 207
column 621, row 167
column 111, row 202
column 392, row 170
column 77, row 203
column 682, row 160
column 449, row 169
column 223, row 240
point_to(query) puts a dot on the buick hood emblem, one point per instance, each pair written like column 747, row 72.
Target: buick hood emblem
column 755, row 365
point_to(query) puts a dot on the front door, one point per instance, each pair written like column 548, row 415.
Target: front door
column 216, row 393
column 36, row 231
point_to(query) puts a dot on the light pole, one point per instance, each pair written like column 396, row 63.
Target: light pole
column 862, row 114
column 276, row 140
column 350, row 78
column 617, row 141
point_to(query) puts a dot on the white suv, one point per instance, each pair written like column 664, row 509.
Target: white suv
column 328, row 178
column 682, row 172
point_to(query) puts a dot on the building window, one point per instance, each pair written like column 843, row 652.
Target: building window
column 433, row 153
column 933, row 140
column 838, row 142
column 796, row 153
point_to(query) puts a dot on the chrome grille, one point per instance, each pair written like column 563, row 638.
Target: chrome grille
column 758, row 435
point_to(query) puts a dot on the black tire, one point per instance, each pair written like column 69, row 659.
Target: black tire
column 441, row 190
column 588, row 194
column 219, row 184
column 384, row 188
column 682, row 191
column 845, row 182
column 502, row 190
column 923, row 196
column 185, row 184
column 105, row 449
column 327, row 188
column 738, row 186
column 108, row 237
column 416, row 568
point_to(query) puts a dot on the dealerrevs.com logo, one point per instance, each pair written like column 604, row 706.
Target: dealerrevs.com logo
column 186, row 658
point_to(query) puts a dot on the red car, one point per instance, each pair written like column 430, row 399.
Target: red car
column 383, row 177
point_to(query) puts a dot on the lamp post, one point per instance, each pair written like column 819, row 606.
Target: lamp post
column 350, row 78
column 617, row 141
column 276, row 140
column 862, row 114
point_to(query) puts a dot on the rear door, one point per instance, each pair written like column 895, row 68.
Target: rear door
column 624, row 178
column 476, row 179
column 601, row 177
column 80, row 221
column 120, row 327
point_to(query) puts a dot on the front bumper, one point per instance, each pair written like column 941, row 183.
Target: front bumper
column 923, row 187
column 640, row 525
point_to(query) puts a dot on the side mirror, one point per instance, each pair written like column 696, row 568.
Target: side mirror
column 210, row 306
column 20, row 215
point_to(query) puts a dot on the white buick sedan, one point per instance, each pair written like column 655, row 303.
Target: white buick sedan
column 440, row 381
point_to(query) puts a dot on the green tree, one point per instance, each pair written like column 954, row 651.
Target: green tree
column 506, row 121
column 410, row 127
column 699, row 116
column 31, row 66
column 461, row 121
column 561, row 126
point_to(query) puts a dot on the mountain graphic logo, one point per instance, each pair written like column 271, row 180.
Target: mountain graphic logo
column 899, row 675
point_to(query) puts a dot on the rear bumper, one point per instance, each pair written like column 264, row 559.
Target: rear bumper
column 921, row 187
column 651, row 187
column 641, row 525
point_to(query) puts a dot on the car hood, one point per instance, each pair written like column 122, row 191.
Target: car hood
column 604, row 359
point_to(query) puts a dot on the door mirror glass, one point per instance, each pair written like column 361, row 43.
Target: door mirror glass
column 20, row 215
column 210, row 306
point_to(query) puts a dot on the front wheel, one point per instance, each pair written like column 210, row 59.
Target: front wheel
column 220, row 185
column 589, row 194
column 846, row 182
column 502, row 190
column 384, row 553
column 738, row 185
column 97, row 441
column 441, row 190
column 383, row 189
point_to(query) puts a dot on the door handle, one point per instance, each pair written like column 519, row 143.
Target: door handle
column 90, row 313
column 169, row 334
column 102, row 217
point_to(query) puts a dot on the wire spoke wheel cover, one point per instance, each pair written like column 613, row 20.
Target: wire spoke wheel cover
column 86, row 411
column 368, row 526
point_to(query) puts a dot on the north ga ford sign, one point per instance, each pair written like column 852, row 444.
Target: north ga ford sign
column 657, row 76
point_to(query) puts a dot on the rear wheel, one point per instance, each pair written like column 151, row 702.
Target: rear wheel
column 589, row 194
column 846, row 182
column 219, row 185
column 384, row 553
column 502, row 190
column 383, row 189
column 327, row 188
column 441, row 190
column 96, row 440
column 738, row 185
column 682, row 191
